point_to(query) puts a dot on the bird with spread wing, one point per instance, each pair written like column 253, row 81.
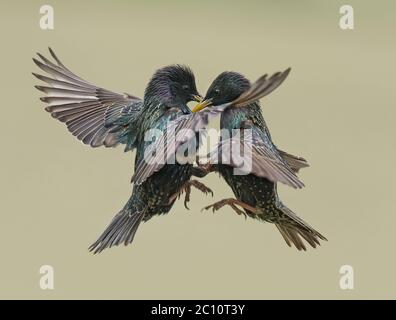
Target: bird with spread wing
column 99, row 117
column 233, row 97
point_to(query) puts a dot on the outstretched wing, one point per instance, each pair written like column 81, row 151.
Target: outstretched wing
column 250, row 153
column 94, row 115
column 185, row 127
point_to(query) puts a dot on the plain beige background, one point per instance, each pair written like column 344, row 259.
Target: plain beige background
column 337, row 109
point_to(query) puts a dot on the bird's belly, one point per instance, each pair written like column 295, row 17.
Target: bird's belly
column 162, row 185
column 255, row 191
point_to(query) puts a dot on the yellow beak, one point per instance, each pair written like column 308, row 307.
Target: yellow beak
column 202, row 105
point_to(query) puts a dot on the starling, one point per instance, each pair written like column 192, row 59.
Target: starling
column 232, row 97
column 257, row 195
column 99, row 117
column 186, row 128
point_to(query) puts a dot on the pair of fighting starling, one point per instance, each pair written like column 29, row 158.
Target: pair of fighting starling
column 99, row 117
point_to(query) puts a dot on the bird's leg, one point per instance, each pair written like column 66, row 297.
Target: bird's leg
column 233, row 203
column 200, row 186
column 203, row 169
column 199, row 172
column 187, row 189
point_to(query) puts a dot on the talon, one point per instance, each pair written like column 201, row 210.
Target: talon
column 233, row 203
column 187, row 198
column 187, row 189
column 207, row 167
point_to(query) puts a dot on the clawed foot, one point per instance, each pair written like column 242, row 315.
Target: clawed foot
column 233, row 203
column 202, row 170
column 186, row 188
column 207, row 167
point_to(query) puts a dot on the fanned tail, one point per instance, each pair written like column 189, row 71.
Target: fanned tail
column 294, row 230
column 122, row 228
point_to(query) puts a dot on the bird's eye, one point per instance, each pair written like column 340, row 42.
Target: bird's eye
column 186, row 87
column 217, row 91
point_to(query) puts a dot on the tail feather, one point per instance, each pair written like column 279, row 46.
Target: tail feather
column 121, row 229
column 294, row 229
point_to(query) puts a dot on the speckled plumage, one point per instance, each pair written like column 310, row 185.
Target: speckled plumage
column 257, row 192
column 162, row 104
column 99, row 117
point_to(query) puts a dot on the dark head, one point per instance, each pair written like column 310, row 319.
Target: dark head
column 173, row 86
column 227, row 87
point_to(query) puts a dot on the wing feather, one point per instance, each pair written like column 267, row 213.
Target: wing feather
column 90, row 112
column 262, row 160
column 189, row 125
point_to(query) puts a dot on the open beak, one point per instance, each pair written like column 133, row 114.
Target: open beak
column 202, row 105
